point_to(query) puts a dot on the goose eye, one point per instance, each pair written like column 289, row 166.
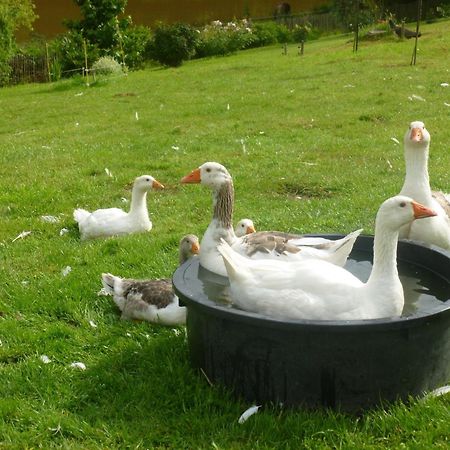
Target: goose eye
column 147, row 179
column 208, row 170
column 402, row 204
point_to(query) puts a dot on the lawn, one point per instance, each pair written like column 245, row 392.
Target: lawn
column 313, row 145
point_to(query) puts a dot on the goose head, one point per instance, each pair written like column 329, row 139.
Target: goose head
column 211, row 174
column 401, row 210
column 189, row 246
column 146, row 182
column 417, row 136
column 243, row 227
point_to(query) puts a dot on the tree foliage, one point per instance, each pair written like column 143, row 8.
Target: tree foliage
column 14, row 14
column 107, row 32
column 350, row 12
column 100, row 23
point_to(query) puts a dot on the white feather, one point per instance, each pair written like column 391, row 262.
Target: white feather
column 248, row 413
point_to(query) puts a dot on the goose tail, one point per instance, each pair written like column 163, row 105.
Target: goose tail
column 230, row 259
column 344, row 246
column 109, row 282
column 349, row 240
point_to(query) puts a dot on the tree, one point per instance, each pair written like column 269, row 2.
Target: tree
column 14, row 14
column 349, row 11
column 100, row 23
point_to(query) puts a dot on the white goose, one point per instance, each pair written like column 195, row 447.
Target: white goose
column 435, row 230
column 151, row 300
column 115, row 221
column 318, row 290
column 259, row 245
column 243, row 227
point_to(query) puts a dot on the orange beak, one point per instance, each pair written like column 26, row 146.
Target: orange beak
column 420, row 211
column 250, row 229
column 416, row 134
column 193, row 177
column 195, row 248
column 157, row 185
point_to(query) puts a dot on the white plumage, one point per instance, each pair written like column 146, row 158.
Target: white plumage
column 115, row 221
column 259, row 245
column 434, row 230
column 318, row 290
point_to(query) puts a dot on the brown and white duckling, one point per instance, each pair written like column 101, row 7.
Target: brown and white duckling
column 243, row 227
column 151, row 300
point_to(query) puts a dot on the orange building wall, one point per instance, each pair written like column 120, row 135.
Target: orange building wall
column 147, row 12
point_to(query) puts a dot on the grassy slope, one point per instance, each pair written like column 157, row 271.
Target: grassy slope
column 317, row 127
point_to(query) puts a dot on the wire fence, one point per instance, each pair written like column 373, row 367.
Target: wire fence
column 325, row 22
column 30, row 69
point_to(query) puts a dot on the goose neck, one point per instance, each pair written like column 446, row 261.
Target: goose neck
column 417, row 179
column 138, row 202
column 384, row 267
column 223, row 200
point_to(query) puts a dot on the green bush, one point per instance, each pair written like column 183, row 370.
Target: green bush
column 301, row 32
column 268, row 33
column 135, row 42
column 5, row 68
column 172, row 44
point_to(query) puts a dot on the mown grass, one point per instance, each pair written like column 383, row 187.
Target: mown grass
column 309, row 143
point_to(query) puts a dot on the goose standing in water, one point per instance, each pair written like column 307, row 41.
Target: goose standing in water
column 317, row 290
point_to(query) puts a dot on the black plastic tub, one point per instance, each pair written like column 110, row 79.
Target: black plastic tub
column 348, row 365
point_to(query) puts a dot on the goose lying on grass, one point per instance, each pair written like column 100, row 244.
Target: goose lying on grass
column 259, row 245
column 243, row 227
column 151, row 300
column 115, row 221
column 317, row 290
column 435, row 230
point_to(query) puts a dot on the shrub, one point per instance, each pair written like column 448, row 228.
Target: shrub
column 172, row 44
column 106, row 65
column 301, row 32
column 135, row 42
column 222, row 39
column 268, row 33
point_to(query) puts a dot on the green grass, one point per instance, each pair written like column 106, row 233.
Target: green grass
column 318, row 157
